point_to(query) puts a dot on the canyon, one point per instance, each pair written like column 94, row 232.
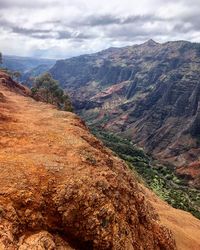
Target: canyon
column 62, row 189
column 148, row 93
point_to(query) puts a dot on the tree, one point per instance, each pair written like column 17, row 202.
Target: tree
column 1, row 58
column 16, row 75
column 47, row 89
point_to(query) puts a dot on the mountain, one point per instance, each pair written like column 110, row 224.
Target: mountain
column 149, row 93
column 62, row 189
column 34, row 72
column 27, row 66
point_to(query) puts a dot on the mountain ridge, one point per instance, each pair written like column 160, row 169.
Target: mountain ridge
column 144, row 92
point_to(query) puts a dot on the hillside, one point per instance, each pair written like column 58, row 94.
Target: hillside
column 148, row 92
column 158, row 177
column 62, row 189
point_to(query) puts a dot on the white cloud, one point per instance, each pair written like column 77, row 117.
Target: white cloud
column 59, row 29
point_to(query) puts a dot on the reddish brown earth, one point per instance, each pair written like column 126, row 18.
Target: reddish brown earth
column 192, row 172
column 185, row 227
column 60, row 188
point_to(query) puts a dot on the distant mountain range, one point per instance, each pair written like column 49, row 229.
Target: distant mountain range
column 149, row 93
column 27, row 66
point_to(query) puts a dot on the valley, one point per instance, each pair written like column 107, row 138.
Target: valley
column 147, row 93
column 160, row 178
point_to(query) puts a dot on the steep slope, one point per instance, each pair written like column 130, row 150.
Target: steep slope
column 61, row 188
column 147, row 92
column 183, row 225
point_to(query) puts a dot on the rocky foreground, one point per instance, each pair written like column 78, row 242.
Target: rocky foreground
column 60, row 188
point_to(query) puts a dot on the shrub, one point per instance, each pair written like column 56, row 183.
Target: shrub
column 47, row 89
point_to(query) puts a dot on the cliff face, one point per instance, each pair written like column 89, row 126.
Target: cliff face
column 61, row 188
column 149, row 92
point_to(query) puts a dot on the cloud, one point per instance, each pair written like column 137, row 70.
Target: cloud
column 11, row 4
column 105, row 20
column 83, row 26
column 41, row 33
column 73, row 35
column 29, row 32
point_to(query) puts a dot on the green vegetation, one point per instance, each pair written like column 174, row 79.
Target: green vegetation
column 1, row 58
column 14, row 74
column 47, row 89
column 160, row 178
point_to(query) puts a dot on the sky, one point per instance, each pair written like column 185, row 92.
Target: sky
column 66, row 28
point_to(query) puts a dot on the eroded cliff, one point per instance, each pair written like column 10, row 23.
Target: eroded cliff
column 147, row 92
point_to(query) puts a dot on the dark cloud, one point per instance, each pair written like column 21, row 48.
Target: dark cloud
column 36, row 33
column 64, row 35
column 71, row 35
column 4, row 23
column 52, row 22
column 181, row 28
column 99, row 20
column 45, row 33
column 85, row 36
column 29, row 32
column 193, row 20
column 25, row 4
column 105, row 20
column 142, row 19
column 131, row 33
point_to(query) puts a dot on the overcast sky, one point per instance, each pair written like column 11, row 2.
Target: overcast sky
column 65, row 28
